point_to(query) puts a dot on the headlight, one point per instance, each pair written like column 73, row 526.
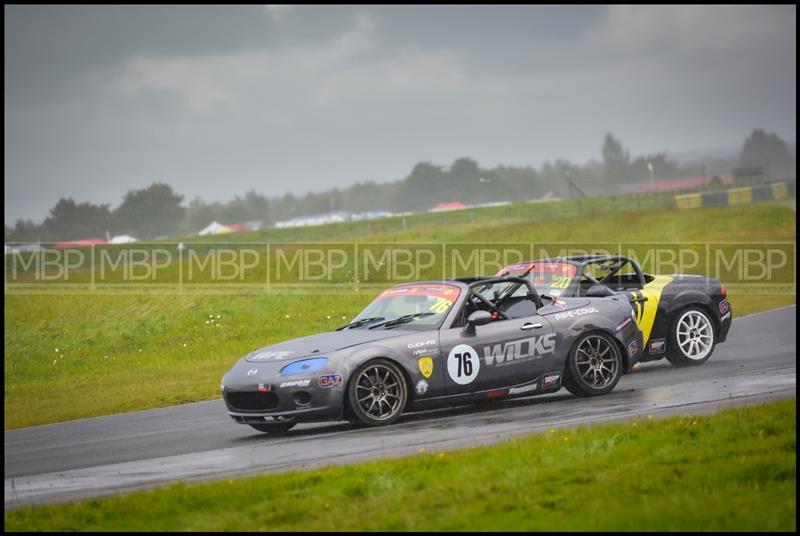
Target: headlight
column 304, row 366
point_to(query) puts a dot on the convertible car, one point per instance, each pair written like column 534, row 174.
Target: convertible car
column 682, row 317
column 437, row 343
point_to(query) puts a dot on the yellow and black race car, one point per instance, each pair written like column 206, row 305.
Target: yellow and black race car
column 682, row 317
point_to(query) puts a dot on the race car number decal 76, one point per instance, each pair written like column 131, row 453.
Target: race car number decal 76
column 463, row 364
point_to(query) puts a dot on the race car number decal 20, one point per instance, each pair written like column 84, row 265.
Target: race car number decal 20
column 463, row 364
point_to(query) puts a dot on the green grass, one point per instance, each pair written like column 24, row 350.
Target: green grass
column 70, row 356
column 734, row 471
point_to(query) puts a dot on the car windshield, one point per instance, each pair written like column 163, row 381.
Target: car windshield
column 549, row 278
column 418, row 304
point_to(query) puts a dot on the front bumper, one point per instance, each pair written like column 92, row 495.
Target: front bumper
column 247, row 404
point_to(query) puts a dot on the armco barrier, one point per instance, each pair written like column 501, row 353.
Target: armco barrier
column 737, row 196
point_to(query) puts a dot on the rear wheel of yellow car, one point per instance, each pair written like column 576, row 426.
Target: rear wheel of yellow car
column 692, row 338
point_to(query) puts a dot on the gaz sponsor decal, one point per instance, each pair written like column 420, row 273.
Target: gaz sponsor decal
column 296, row 383
column 523, row 389
column 269, row 356
column 330, row 380
column 522, row 349
column 422, row 347
column 422, row 387
column 633, row 348
column 658, row 346
column 576, row 312
column 425, row 366
column 463, row 364
column 551, row 380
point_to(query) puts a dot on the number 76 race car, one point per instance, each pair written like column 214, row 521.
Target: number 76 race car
column 433, row 343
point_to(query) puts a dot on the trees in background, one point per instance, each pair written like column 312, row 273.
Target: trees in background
column 75, row 220
column 770, row 152
column 157, row 210
column 150, row 212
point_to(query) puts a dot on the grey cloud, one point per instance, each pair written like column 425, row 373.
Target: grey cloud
column 218, row 100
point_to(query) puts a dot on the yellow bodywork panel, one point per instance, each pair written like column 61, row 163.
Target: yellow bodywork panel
column 646, row 311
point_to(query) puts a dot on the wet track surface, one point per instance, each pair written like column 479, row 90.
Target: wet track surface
column 66, row 461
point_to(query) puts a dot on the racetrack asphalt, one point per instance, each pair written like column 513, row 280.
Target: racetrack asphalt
column 105, row 455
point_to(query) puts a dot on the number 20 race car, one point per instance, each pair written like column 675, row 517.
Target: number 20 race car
column 447, row 342
column 682, row 317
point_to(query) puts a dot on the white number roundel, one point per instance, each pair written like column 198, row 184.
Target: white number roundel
column 463, row 364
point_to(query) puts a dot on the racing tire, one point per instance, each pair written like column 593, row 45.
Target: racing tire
column 377, row 394
column 594, row 365
column 277, row 426
column 692, row 337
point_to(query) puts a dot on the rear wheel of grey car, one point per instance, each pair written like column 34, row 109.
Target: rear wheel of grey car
column 378, row 393
column 594, row 366
column 275, row 426
column 692, row 338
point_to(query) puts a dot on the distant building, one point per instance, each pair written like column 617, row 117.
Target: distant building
column 318, row 219
column 243, row 226
column 371, row 215
column 18, row 248
column 673, row 185
column 82, row 243
column 449, row 205
column 122, row 239
column 749, row 175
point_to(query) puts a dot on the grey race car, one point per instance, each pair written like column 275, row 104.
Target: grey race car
column 433, row 343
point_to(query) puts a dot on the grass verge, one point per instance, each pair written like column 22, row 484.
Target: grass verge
column 735, row 470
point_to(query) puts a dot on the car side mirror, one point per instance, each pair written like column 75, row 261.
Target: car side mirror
column 599, row 291
column 478, row 318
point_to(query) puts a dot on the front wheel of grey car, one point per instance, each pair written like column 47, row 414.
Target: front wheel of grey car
column 275, row 426
column 377, row 393
column 594, row 366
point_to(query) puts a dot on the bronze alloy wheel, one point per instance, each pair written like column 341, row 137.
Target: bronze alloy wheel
column 378, row 393
column 594, row 366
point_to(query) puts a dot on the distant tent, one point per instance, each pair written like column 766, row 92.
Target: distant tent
column 122, row 239
column 215, row 228
column 451, row 205
column 82, row 243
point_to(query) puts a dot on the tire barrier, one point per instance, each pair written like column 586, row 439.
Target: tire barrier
column 737, row 196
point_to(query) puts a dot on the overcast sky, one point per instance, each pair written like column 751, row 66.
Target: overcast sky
column 219, row 100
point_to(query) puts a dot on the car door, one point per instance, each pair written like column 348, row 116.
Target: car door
column 499, row 354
